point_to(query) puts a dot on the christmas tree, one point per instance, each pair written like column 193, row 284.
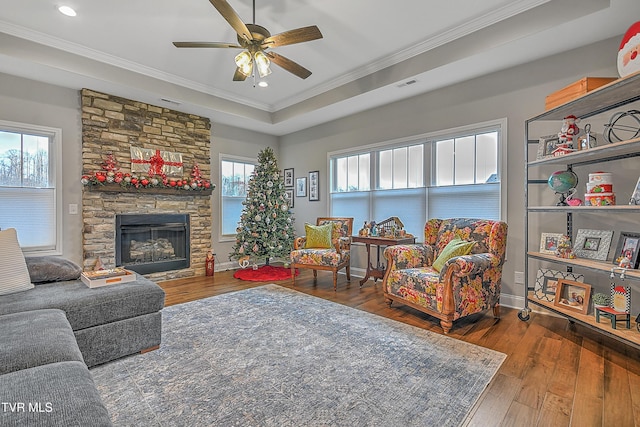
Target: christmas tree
column 266, row 224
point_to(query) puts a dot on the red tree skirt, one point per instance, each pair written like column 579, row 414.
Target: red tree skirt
column 264, row 274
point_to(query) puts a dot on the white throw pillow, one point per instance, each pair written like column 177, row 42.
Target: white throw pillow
column 14, row 276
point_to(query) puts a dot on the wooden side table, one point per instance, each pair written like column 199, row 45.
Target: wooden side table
column 378, row 271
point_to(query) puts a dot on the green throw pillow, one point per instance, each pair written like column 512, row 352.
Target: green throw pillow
column 454, row 248
column 318, row 236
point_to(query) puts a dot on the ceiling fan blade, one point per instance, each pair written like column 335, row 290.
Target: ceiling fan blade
column 289, row 65
column 238, row 76
column 232, row 18
column 206, row 44
column 299, row 35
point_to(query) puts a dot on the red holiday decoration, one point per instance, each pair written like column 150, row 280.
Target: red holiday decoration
column 629, row 51
column 110, row 173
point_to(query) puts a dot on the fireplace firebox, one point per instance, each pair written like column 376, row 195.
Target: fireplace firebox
column 150, row 243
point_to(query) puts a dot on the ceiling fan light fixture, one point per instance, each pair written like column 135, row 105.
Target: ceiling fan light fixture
column 244, row 63
column 262, row 63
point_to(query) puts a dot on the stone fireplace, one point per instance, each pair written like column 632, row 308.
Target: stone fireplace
column 112, row 125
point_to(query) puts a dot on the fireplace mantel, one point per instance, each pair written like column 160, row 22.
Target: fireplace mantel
column 116, row 188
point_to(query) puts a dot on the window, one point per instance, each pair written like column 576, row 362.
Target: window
column 454, row 173
column 398, row 183
column 28, row 194
column 465, row 180
column 235, row 174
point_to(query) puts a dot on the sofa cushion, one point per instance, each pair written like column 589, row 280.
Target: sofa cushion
column 34, row 338
column 14, row 276
column 456, row 247
column 44, row 269
column 57, row 394
column 86, row 307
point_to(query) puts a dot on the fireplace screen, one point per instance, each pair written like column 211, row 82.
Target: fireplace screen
column 149, row 243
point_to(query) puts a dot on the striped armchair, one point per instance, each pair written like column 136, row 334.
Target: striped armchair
column 329, row 259
column 465, row 284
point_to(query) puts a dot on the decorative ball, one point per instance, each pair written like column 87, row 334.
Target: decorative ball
column 563, row 181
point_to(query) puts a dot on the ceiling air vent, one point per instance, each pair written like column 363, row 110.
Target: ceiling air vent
column 407, row 83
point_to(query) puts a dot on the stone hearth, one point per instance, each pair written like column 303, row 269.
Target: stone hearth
column 111, row 125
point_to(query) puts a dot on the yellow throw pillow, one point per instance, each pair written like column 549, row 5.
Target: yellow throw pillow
column 454, row 248
column 318, row 236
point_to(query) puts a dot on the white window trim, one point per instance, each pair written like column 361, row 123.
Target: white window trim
column 222, row 238
column 430, row 136
column 56, row 164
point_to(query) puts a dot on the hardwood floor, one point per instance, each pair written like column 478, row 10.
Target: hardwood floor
column 555, row 374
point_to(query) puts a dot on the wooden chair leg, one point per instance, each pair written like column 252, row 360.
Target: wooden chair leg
column 293, row 274
column 446, row 325
column 496, row 311
column 348, row 273
column 335, row 280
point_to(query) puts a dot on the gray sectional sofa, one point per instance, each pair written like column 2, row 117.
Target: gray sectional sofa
column 51, row 334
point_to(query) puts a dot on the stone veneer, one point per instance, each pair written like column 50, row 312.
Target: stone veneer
column 112, row 125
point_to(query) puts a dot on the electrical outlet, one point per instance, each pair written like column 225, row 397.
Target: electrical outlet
column 518, row 277
column 73, row 209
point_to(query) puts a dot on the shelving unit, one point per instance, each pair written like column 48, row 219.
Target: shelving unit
column 609, row 97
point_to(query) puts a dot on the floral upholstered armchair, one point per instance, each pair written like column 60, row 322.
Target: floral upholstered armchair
column 326, row 246
column 455, row 273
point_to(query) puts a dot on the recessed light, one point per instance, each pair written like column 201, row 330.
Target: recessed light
column 263, row 83
column 67, row 10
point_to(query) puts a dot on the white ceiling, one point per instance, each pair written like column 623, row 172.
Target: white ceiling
column 370, row 50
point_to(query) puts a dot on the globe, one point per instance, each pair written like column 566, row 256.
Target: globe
column 563, row 181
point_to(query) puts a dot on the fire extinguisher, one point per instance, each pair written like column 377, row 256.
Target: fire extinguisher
column 210, row 263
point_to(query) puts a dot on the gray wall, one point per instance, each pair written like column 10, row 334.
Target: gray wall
column 27, row 101
column 516, row 94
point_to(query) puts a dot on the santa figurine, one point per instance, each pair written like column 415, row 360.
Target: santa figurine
column 629, row 52
column 567, row 133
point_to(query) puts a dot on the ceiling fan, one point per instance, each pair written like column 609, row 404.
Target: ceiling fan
column 255, row 40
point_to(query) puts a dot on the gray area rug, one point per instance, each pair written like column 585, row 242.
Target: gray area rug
column 271, row 356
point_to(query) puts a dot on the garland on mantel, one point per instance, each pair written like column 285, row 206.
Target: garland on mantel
column 111, row 174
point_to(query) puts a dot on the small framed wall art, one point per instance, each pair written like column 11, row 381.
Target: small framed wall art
column 288, row 177
column 314, row 186
column 593, row 244
column 289, row 195
column 573, row 296
column 626, row 254
column 301, row 187
column 549, row 242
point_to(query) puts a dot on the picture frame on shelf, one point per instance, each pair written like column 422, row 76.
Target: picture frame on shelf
column 547, row 282
column 546, row 145
column 635, row 196
column 301, row 187
column 593, row 244
column 549, row 242
column 289, row 194
column 628, row 247
column 288, row 177
column 314, row 186
column 573, row 296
